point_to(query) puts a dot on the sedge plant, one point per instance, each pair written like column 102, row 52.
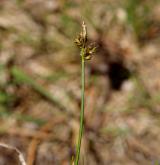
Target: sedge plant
column 86, row 51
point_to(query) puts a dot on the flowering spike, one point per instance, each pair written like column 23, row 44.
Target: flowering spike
column 84, row 32
column 81, row 42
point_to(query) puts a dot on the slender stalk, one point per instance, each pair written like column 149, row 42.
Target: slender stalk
column 82, row 107
column 86, row 53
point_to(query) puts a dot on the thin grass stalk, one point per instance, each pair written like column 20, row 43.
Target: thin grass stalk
column 86, row 51
column 78, row 149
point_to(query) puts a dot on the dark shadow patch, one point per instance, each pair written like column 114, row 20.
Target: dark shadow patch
column 118, row 73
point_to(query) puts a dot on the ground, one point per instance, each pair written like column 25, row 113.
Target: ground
column 40, row 86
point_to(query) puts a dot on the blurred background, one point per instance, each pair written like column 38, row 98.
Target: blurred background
column 40, row 81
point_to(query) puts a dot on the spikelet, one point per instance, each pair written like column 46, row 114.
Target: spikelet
column 81, row 42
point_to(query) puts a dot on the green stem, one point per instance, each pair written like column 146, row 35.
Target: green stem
column 82, row 107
